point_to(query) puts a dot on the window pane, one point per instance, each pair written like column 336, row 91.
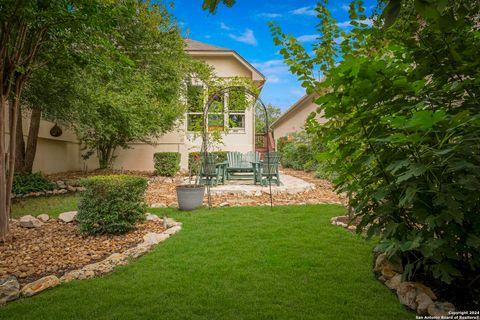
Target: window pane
column 217, row 104
column 195, row 98
column 194, row 122
column 216, row 122
column 237, row 101
column 236, row 121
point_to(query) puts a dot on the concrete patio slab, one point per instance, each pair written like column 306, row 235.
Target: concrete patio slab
column 290, row 185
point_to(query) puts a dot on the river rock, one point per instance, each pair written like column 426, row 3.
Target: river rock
column 172, row 230
column 407, row 293
column 171, row 223
column 117, row 259
column 439, row 309
column 29, row 221
column 423, row 301
column 9, row 288
column 35, row 287
column 68, row 216
column 43, row 217
column 154, row 238
column 394, row 282
column 158, row 205
column 151, row 217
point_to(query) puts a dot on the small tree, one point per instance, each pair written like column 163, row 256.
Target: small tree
column 26, row 29
column 132, row 93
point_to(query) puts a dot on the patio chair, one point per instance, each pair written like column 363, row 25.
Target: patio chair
column 269, row 168
column 238, row 164
column 210, row 171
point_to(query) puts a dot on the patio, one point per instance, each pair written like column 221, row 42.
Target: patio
column 297, row 188
column 290, row 185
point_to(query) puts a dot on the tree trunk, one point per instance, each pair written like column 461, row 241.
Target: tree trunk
column 20, row 156
column 32, row 139
column 4, row 215
column 26, row 153
column 105, row 157
column 14, row 110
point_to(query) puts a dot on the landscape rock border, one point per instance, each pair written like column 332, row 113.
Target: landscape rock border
column 11, row 290
column 414, row 295
column 61, row 187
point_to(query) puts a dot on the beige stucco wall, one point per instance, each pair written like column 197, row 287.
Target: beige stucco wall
column 294, row 121
column 64, row 153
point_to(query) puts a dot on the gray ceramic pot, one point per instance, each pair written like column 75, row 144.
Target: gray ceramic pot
column 190, row 196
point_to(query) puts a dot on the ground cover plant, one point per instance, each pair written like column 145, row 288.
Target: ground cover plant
column 34, row 182
column 232, row 263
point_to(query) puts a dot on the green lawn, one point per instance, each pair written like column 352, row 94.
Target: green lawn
column 53, row 206
column 234, row 263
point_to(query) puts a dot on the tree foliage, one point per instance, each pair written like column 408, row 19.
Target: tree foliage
column 403, row 128
column 26, row 29
column 130, row 89
column 260, row 122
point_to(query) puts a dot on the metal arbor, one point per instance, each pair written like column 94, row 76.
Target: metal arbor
column 220, row 93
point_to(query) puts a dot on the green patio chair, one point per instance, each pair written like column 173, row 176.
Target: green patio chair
column 210, row 171
column 238, row 164
column 269, row 168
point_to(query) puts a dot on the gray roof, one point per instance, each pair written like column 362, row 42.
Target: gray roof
column 193, row 45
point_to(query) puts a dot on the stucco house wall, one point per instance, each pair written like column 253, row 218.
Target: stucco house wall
column 293, row 120
column 65, row 154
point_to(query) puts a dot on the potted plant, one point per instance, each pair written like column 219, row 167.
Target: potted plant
column 190, row 196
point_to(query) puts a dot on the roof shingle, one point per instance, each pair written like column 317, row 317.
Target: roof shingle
column 193, row 45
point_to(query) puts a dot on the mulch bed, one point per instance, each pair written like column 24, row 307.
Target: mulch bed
column 57, row 247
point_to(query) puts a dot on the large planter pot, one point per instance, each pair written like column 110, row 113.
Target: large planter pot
column 190, row 196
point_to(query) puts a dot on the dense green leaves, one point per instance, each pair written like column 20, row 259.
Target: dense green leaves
column 403, row 131
column 111, row 204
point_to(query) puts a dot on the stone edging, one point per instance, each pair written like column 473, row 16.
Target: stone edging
column 413, row 295
column 10, row 288
column 61, row 187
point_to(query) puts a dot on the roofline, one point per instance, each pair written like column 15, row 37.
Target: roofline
column 235, row 53
column 292, row 108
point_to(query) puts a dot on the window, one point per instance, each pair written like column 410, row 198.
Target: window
column 226, row 110
column 216, row 114
column 194, row 107
column 237, row 102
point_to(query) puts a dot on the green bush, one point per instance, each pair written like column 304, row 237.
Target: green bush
column 111, row 204
column 194, row 160
column 166, row 163
column 300, row 152
column 35, row 182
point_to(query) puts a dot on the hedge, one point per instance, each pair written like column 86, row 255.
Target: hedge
column 166, row 163
column 111, row 204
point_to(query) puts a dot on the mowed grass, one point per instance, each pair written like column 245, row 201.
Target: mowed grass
column 52, row 206
column 234, row 263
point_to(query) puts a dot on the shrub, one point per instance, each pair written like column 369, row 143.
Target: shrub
column 111, row 204
column 166, row 163
column 300, row 152
column 194, row 160
column 34, row 182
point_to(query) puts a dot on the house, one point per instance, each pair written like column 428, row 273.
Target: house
column 293, row 120
column 63, row 153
